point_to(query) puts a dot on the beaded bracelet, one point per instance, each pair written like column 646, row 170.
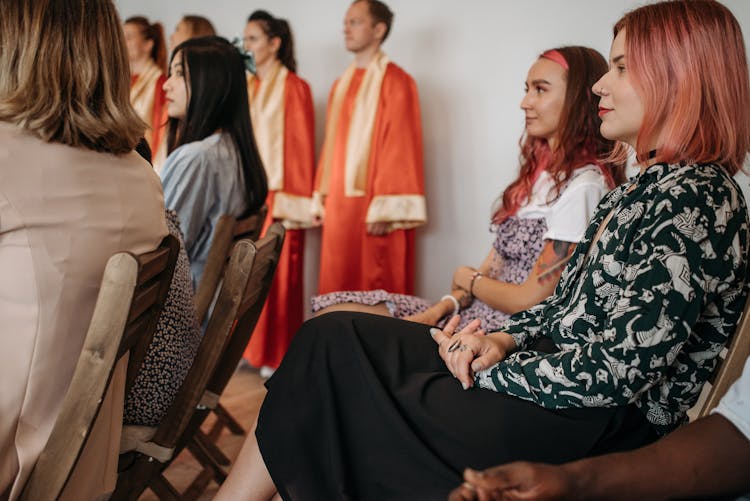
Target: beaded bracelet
column 456, row 306
column 475, row 278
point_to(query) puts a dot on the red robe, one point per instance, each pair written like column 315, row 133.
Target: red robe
column 284, row 310
column 158, row 119
column 351, row 259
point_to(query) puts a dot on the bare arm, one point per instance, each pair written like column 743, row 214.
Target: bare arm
column 706, row 458
column 512, row 298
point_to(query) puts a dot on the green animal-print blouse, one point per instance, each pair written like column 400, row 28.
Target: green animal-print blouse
column 641, row 316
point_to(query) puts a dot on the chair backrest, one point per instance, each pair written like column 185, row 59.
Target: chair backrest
column 269, row 249
column 731, row 367
column 223, row 320
column 130, row 299
column 228, row 230
column 230, row 306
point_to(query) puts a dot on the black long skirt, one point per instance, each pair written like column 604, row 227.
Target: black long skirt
column 363, row 408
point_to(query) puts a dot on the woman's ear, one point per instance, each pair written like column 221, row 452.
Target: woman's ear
column 275, row 44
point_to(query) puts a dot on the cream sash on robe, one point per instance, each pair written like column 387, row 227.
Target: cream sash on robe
column 267, row 114
column 359, row 138
column 142, row 97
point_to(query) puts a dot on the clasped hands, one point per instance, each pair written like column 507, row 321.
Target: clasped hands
column 469, row 350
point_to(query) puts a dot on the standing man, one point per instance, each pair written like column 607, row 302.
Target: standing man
column 369, row 187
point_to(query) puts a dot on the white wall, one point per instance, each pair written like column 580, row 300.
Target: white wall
column 470, row 60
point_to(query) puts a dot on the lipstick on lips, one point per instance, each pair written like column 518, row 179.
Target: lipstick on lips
column 603, row 111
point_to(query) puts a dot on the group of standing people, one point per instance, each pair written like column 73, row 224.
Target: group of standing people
column 368, row 190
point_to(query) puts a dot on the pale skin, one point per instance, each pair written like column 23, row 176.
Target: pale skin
column 542, row 104
column 264, row 48
column 139, row 49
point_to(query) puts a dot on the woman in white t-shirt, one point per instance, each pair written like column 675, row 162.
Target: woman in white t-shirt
column 540, row 216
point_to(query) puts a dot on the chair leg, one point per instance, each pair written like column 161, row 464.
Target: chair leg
column 198, row 485
column 163, row 489
column 229, row 420
column 207, row 461
column 134, row 480
column 211, row 449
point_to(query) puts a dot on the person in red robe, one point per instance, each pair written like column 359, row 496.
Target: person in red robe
column 147, row 55
column 283, row 121
column 369, row 187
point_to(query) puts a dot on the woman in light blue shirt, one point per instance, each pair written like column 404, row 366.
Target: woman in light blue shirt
column 213, row 166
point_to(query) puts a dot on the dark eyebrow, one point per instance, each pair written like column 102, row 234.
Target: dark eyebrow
column 618, row 59
column 540, row 81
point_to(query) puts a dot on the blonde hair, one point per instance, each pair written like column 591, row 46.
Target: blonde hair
column 64, row 74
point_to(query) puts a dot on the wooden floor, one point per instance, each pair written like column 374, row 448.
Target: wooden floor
column 242, row 397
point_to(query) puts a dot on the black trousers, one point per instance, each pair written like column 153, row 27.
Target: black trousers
column 363, row 408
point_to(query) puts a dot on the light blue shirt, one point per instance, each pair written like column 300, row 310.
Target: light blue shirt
column 202, row 181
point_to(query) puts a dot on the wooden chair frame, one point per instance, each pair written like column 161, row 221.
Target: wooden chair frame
column 239, row 295
column 228, row 230
column 130, row 300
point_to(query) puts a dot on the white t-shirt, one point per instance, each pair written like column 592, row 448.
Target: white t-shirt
column 735, row 406
column 568, row 214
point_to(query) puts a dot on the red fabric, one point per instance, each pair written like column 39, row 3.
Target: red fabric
column 350, row 258
column 159, row 116
column 283, row 313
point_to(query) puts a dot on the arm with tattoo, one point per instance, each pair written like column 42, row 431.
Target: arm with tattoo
column 541, row 282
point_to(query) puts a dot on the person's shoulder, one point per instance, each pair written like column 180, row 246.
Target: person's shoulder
column 296, row 81
column 297, row 85
column 396, row 73
column 586, row 178
column 195, row 153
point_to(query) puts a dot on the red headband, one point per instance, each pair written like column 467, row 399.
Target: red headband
column 554, row 55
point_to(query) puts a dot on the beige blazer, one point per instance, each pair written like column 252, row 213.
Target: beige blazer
column 63, row 212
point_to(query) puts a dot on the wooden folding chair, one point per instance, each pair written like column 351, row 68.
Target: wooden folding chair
column 130, row 300
column 202, row 445
column 228, row 230
column 731, row 367
column 154, row 449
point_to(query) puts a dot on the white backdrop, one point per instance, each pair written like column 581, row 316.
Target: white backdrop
column 470, row 60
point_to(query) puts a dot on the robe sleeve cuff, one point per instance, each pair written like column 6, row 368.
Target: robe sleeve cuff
column 316, row 205
column 294, row 211
column 401, row 211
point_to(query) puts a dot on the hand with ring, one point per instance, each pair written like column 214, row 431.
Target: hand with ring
column 470, row 350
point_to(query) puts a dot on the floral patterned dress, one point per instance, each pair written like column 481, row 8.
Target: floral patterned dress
column 518, row 243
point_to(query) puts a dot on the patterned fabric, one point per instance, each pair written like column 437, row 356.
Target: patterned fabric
column 641, row 316
column 173, row 348
column 518, row 243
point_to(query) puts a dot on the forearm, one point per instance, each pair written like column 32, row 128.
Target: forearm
column 708, row 457
column 506, row 297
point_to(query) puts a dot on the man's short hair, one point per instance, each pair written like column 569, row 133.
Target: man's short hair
column 380, row 14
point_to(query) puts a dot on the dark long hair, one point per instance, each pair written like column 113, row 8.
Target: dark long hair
column 217, row 90
column 579, row 140
column 275, row 27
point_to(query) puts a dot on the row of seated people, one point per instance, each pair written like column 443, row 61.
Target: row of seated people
column 370, row 407
column 596, row 357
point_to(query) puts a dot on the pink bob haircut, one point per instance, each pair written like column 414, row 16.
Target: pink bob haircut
column 687, row 62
